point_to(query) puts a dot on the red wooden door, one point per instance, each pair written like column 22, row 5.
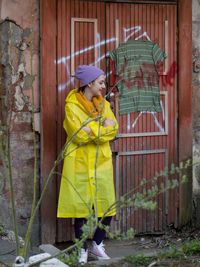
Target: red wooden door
column 147, row 142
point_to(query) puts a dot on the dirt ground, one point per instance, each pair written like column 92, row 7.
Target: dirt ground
column 147, row 245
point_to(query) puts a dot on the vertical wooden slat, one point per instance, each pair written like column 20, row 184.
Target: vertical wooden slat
column 48, row 102
column 171, row 193
column 161, row 222
column 157, row 159
column 175, row 101
column 67, row 226
column 148, row 139
column 77, row 31
column 90, row 32
column 85, row 36
column 63, row 76
column 185, row 103
column 59, row 77
column 144, row 123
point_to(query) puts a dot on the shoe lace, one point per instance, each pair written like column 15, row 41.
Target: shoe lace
column 102, row 246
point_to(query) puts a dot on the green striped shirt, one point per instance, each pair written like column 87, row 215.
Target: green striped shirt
column 137, row 65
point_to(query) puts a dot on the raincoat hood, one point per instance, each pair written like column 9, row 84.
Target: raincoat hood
column 73, row 101
column 71, row 97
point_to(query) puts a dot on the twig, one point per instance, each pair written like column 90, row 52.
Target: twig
column 52, row 171
column 4, row 264
column 76, row 191
column 28, row 233
column 95, row 174
column 152, row 264
column 10, row 173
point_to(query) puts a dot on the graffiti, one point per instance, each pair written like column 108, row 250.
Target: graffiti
column 65, row 60
column 134, row 30
column 159, row 126
column 128, row 33
column 169, row 78
column 147, row 76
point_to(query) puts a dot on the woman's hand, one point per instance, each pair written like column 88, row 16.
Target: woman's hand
column 109, row 122
column 86, row 129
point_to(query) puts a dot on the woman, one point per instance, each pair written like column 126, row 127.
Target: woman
column 87, row 177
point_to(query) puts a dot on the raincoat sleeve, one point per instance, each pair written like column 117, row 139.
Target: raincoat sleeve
column 104, row 134
column 72, row 125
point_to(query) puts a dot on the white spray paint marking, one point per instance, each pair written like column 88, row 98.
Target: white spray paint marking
column 128, row 33
column 137, row 118
column 157, row 122
column 135, row 122
column 163, row 110
column 63, row 60
column 145, row 35
column 133, row 31
column 128, row 122
column 66, row 60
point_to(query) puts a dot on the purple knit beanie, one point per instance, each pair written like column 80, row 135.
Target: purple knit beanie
column 87, row 73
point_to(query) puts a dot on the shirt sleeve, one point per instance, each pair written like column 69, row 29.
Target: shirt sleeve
column 113, row 55
column 158, row 54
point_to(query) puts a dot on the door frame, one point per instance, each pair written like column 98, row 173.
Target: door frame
column 48, row 32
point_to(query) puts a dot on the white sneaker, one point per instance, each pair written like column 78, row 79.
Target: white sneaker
column 99, row 251
column 83, row 256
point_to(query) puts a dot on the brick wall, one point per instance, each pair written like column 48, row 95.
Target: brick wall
column 19, row 69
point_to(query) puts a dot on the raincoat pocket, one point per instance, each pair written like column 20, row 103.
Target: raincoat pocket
column 106, row 150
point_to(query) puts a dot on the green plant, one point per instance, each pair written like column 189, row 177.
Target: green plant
column 118, row 235
column 139, row 260
column 191, row 248
column 172, row 253
column 70, row 259
column 2, row 230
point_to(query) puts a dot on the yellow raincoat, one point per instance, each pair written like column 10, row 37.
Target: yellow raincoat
column 81, row 187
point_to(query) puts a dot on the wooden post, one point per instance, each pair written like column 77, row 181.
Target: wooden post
column 48, row 111
column 185, row 101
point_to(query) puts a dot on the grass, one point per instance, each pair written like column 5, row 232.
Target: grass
column 189, row 249
column 139, row 260
column 2, row 230
column 171, row 253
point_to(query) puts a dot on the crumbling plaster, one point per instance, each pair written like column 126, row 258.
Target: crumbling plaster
column 26, row 15
column 196, row 107
column 196, row 93
column 19, row 45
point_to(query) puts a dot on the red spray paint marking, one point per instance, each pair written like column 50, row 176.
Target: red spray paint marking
column 147, row 74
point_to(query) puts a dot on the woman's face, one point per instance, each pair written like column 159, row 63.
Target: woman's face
column 98, row 86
